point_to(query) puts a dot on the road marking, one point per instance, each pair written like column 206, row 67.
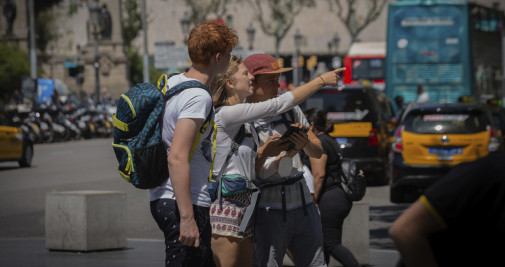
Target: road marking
column 64, row 152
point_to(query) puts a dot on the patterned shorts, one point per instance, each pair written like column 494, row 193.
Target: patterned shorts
column 226, row 221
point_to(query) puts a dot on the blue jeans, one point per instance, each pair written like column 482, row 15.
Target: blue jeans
column 166, row 214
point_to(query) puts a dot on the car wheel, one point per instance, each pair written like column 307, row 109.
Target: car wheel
column 395, row 193
column 395, row 197
column 26, row 160
column 386, row 174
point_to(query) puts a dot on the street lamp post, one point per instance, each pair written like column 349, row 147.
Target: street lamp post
column 333, row 43
column 94, row 15
column 185, row 21
column 298, row 41
column 250, row 35
column 145, row 61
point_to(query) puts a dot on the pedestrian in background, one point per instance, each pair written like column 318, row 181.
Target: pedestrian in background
column 17, row 98
column 229, row 91
column 333, row 203
column 400, row 108
column 459, row 220
column 422, row 96
column 286, row 217
column 181, row 204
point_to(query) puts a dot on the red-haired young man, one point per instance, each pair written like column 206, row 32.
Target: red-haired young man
column 180, row 206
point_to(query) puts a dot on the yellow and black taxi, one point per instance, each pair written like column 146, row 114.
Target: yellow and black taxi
column 15, row 145
column 432, row 138
column 359, row 115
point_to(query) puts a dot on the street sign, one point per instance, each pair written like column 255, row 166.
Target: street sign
column 29, row 88
column 168, row 56
column 45, row 90
column 311, row 62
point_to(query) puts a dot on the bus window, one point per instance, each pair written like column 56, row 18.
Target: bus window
column 365, row 61
column 367, row 69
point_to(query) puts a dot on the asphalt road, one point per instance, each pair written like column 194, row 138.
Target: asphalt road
column 91, row 165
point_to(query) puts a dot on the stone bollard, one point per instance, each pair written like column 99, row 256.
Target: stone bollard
column 356, row 235
column 85, row 220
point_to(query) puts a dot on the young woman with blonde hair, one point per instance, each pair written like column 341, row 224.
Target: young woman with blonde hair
column 229, row 91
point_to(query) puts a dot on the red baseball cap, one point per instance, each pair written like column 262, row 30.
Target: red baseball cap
column 263, row 64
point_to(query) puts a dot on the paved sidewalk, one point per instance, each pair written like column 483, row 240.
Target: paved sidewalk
column 32, row 252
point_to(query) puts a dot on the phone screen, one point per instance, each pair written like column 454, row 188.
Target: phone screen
column 290, row 131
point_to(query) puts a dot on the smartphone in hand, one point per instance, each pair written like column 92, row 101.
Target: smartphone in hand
column 289, row 132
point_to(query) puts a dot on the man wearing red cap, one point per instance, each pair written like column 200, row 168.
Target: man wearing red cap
column 286, row 217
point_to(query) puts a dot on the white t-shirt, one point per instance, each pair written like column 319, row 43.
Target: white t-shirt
column 228, row 121
column 423, row 98
column 193, row 103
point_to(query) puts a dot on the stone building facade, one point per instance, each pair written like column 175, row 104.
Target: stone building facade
column 318, row 26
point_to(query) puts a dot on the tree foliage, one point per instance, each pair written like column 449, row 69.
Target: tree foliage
column 45, row 26
column 13, row 66
column 45, row 23
column 135, row 67
column 276, row 17
column 132, row 21
column 132, row 25
column 356, row 22
column 201, row 9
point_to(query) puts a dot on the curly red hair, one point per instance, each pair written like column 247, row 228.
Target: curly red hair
column 209, row 38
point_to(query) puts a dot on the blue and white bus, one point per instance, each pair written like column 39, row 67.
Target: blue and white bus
column 451, row 48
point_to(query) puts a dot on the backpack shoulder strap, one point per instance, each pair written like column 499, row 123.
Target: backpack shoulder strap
column 169, row 92
column 185, row 85
column 288, row 117
column 240, row 135
column 208, row 121
column 291, row 114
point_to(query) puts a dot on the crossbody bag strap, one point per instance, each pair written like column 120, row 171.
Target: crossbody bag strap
column 288, row 121
column 255, row 195
column 235, row 143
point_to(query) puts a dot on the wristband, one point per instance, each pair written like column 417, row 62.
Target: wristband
column 324, row 84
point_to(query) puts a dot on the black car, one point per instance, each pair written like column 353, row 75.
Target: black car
column 359, row 116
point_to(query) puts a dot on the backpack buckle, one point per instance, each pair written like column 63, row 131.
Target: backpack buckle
column 162, row 83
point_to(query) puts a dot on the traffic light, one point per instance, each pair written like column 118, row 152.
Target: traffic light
column 300, row 61
column 74, row 71
column 281, row 62
column 311, row 62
